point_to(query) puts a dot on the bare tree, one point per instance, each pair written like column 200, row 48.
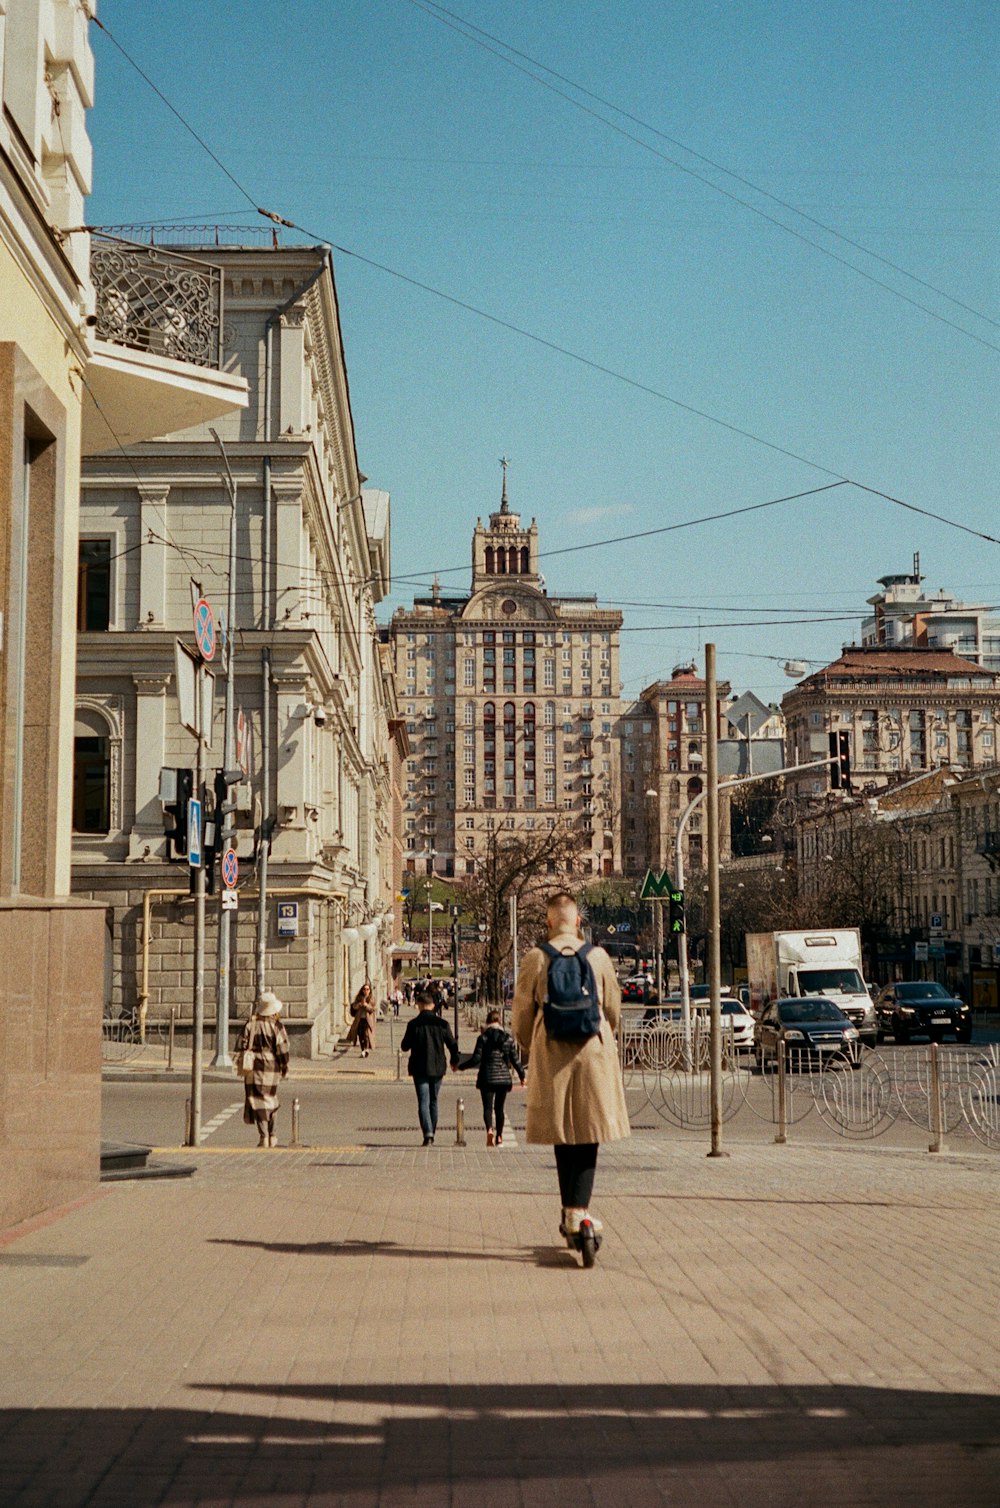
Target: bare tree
column 528, row 865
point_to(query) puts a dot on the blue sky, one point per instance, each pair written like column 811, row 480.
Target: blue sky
column 386, row 132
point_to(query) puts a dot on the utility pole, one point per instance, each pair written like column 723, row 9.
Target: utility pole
column 264, row 833
column 224, row 817
column 198, row 1006
column 714, row 927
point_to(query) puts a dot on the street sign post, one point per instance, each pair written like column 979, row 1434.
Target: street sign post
column 194, row 834
column 920, row 952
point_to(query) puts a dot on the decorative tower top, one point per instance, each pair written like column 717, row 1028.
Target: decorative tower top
column 504, row 548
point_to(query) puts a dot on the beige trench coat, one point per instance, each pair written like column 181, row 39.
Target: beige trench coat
column 575, row 1091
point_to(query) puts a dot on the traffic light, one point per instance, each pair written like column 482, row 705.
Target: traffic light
column 176, row 788
column 840, row 761
column 676, row 919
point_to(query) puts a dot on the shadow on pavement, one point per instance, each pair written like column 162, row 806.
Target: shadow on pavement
column 632, row 1444
column 541, row 1256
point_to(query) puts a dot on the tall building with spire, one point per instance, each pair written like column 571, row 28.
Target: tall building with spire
column 511, row 699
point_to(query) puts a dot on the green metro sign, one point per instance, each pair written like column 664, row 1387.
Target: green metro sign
column 656, row 887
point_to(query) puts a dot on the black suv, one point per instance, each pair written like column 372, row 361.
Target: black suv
column 922, row 1008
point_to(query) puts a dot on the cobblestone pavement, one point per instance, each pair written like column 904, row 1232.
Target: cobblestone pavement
column 391, row 1325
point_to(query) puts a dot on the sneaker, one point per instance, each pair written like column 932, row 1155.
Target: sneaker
column 491, row 1140
column 573, row 1219
column 428, row 1141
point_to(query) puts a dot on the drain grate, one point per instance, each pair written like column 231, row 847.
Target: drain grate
column 38, row 1259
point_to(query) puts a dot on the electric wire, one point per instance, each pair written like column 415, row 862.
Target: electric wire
column 467, row 28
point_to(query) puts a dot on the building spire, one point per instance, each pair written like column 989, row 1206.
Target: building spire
column 504, row 505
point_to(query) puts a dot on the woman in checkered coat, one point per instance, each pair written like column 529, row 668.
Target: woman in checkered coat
column 267, row 1038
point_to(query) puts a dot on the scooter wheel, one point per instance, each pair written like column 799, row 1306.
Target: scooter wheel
column 588, row 1244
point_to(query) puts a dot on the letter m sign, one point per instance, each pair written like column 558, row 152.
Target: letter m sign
column 656, row 887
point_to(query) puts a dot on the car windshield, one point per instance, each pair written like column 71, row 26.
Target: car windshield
column 842, row 981
column 792, row 1011
column 922, row 989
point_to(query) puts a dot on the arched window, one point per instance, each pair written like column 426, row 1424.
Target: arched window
column 524, row 560
column 694, row 787
column 508, row 712
column 512, row 560
column 501, row 561
column 529, row 712
column 91, row 774
column 490, row 561
column 489, row 713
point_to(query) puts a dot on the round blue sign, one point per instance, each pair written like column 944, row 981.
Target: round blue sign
column 230, row 868
column 204, row 629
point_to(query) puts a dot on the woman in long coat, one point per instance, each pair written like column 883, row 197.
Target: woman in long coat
column 576, row 1099
column 265, row 1035
column 364, row 1011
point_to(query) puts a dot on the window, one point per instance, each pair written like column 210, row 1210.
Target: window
column 93, row 605
column 468, row 671
column 91, row 784
column 470, row 714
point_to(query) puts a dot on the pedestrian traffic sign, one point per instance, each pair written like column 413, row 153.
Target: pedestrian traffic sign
column 204, row 629
column 230, row 868
column 194, row 834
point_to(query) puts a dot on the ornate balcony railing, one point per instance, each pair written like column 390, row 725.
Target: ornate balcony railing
column 152, row 299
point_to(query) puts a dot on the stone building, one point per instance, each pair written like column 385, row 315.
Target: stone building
column 511, row 705
column 74, row 369
column 904, row 710
column 662, row 737
column 315, row 693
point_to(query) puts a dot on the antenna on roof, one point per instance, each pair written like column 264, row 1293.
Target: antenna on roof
column 916, row 566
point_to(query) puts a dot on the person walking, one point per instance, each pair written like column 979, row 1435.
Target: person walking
column 495, row 1055
column 576, row 1099
column 363, row 1014
column 265, row 1039
column 429, row 1041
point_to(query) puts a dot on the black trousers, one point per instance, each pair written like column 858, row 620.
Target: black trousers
column 493, row 1102
column 577, row 1166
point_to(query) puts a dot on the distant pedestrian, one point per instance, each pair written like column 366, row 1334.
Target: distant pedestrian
column 495, row 1055
column 429, row 1041
column 575, row 1095
column 397, row 1000
column 434, row 990
column 408, row 993
column 264, row 1036
column 364, row 1013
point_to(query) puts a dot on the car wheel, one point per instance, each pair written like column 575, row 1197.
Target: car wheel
column 964, row 1034
column 901, row 1035
column 879, row 1037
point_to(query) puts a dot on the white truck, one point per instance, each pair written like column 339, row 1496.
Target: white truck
column 781, row 965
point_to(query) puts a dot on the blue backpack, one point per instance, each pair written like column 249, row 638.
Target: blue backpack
column 571, row 1011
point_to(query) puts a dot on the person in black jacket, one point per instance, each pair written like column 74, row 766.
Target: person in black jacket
column 495, row 1055
column 426, row 1039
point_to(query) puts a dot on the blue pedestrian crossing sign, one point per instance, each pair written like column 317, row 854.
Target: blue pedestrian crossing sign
column 194, row 835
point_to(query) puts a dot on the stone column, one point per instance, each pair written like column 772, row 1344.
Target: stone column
column 152, row 556
column 292, row 763
column 146, row 836
column 290, row 562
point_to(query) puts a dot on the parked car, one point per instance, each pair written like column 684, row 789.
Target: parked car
column 734, row 1015
column 807, row 1024
column 638, row 987
column 924, row 1008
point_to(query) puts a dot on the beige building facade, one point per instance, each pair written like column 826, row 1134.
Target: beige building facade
column 511, row 700
column 314, row 689
column 66, row 374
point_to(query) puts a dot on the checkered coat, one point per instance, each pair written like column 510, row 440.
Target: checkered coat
column 270, row 1065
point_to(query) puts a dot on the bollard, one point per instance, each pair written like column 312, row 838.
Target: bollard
column 294, row 1142
column 779, row 1135
column 936, row 1106
column 170, row 1037
column 460, row 1123
column 187, row 1123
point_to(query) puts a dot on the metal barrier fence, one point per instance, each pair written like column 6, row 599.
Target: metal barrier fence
column 860, row 1094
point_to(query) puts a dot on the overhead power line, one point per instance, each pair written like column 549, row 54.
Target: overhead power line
column 482, row 39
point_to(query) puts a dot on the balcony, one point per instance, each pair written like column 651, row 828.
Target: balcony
column 988, row 844
column 157, row 360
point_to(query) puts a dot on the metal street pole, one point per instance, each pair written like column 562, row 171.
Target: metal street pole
column 513, row 938
column 222, row 1058
column 198, row 1007
column 658, row 943
column 263, row 840
column 714, row 927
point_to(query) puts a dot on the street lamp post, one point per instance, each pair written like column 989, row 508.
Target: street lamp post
column 656, row 865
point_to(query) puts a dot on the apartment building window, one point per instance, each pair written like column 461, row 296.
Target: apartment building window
column 93, row 604
column 92, row 784
column 469, row 715
column 550, row 717
column 918, row 737
column 469, row 671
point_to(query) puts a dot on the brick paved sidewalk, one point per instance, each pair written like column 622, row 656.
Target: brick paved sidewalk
column 399, row 1326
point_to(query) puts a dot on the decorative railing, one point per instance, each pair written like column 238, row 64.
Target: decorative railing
column 152, row 299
